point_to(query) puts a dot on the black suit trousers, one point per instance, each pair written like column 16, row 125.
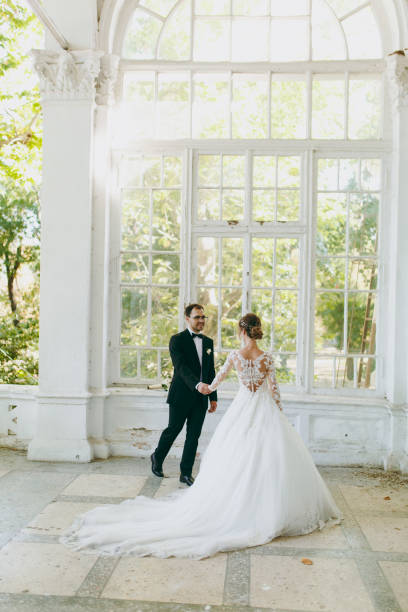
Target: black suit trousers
column 194, row 414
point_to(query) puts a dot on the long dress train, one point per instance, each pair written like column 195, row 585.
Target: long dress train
column 257, row 481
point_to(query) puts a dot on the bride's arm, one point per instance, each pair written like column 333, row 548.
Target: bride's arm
column 273, row 383
column 222, row 374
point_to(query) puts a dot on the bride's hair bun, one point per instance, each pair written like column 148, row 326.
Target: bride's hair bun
column 252, row 325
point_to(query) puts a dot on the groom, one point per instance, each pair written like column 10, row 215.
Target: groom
column 192, row 355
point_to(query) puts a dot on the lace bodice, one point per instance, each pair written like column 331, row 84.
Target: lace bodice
column 251, row 373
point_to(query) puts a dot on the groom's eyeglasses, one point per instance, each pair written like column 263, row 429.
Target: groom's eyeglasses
column 203, row 318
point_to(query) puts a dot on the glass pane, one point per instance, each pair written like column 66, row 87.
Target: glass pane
column 331, row 224
column 261, row 304
column 364, row 108
column 211, row 40
column 289, row 40
column 250, row 106
column 263, row 205
column 166, row 220
column 130, row 172
column 173, row 105
column 330, row 273
column 287, row 9
column 370, row 174
column 285, row 322
column 344, row 372
column 148, row 364
column 323, row 372
column 208, row 204
column 327, row 177
column 151, row 171
column 175, row 40
column 250, row 7
column 207, row 260
column 134, row 316
column 363, row 217
column 173, row 167
column 349, row 175
column 128, row 363
column 209, row 170
column 362, row 274
column 162, row 7
column 288, row 107
column 233, row 171
column 285, row 366
column 232, row 204
column 141, row 36
column 367, row 46
column 138, row 97
column 361, row 323
column 231, row 312
column 328, row 108
column 264, row 172
column 208, row 297
column 289, row 171
column 165, row 309
column 262, row 262
column 329, row 323
column 327, row 37
column 135, row 220
column 287, row 262
column 166, row 269
column 166, row 366
column 134, row 268
column 232, row 261
column 366, row 373
column 212, row 7
column 288, row 205
column 210, row 106
column 250, row 39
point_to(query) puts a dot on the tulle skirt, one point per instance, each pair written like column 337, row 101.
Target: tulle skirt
column 257, row 481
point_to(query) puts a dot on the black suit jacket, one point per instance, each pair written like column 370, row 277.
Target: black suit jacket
column 187, row 370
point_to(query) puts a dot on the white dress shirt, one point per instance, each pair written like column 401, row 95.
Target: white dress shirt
column 198, row 344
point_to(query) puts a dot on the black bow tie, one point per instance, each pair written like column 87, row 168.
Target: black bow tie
column 196, row 335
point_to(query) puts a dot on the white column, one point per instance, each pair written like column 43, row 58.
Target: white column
column 67, row 82
column 397, row 307
column 105, row 99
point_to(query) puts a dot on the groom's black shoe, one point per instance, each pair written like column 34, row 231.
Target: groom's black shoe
column 156, row 468
column 188, row 480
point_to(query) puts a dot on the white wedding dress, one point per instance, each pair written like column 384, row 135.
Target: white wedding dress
column 257, row 481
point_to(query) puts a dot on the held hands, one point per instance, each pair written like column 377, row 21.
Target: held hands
column 203, row 388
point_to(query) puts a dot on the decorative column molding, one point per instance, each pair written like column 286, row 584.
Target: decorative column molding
column 67, row 75
column 397, row 71
column 106, row 82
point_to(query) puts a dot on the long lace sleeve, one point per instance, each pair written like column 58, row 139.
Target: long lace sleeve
column 223, row 372
column 273, row 383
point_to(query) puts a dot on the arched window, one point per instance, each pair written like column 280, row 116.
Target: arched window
column 250, row 152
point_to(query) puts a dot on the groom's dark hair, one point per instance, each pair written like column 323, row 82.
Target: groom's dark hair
column 190, row 307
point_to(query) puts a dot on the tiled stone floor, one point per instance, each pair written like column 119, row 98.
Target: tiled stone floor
column 360, row 566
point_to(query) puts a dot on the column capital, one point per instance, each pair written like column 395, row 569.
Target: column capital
column 397, row 71
column 67, row 75
column 106, row 81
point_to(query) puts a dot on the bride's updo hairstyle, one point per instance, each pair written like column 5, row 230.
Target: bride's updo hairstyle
column 251, row 323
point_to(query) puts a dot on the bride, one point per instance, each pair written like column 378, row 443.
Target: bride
column 257, row 480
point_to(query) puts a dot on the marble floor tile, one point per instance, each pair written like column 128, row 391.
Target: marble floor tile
column 42, row 569
column 397, row 576
column 385, row 533
column 169, row 485
column 365, row 500
column 168, row 580
column 330, row 537
column 3, row 472
column 105, row 485
column 329, row 584
column 57, row 517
